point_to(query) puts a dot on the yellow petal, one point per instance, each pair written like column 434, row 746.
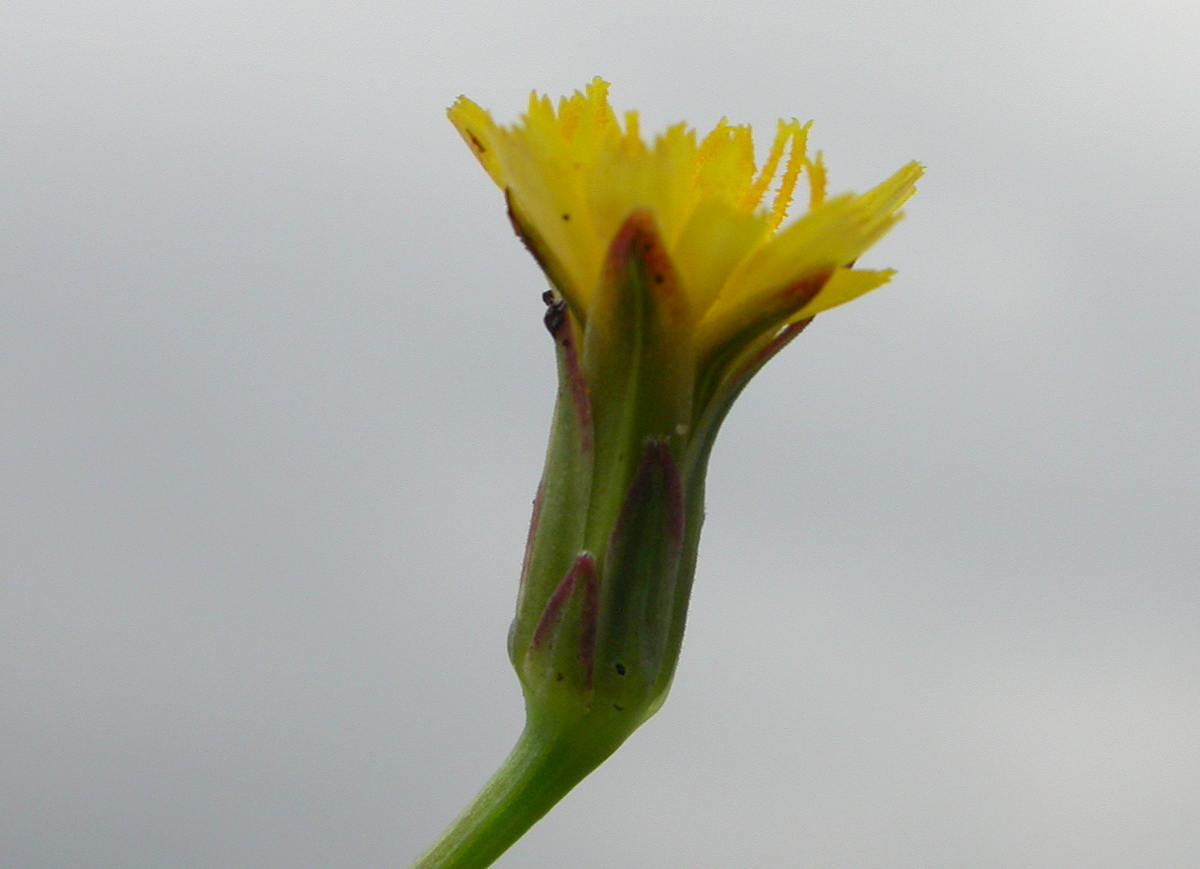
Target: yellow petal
column 812, row 249
column 672, row 170
column 480, row 132
column 716, row 238
column 816, row 181
column 846, row 285
column 725, row 163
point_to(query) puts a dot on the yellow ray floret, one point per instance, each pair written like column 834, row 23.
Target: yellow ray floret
column 573, row 174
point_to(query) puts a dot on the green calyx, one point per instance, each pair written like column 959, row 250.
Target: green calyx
column 616, row 525
column 615, row 531
column 593, row 635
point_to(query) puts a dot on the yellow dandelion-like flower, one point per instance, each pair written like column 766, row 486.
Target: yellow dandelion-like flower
column 573, row 176
column 675, row 278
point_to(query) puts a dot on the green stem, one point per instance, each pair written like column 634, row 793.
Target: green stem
column 542, row 768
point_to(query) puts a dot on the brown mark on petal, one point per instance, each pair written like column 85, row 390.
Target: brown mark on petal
column 475, row 143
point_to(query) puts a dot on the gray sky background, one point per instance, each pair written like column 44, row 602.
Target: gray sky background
column 274, row 393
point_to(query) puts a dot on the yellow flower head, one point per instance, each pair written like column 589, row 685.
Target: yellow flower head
column 574, row 176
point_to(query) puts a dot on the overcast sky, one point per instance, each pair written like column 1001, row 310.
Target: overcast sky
column 274, row 394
